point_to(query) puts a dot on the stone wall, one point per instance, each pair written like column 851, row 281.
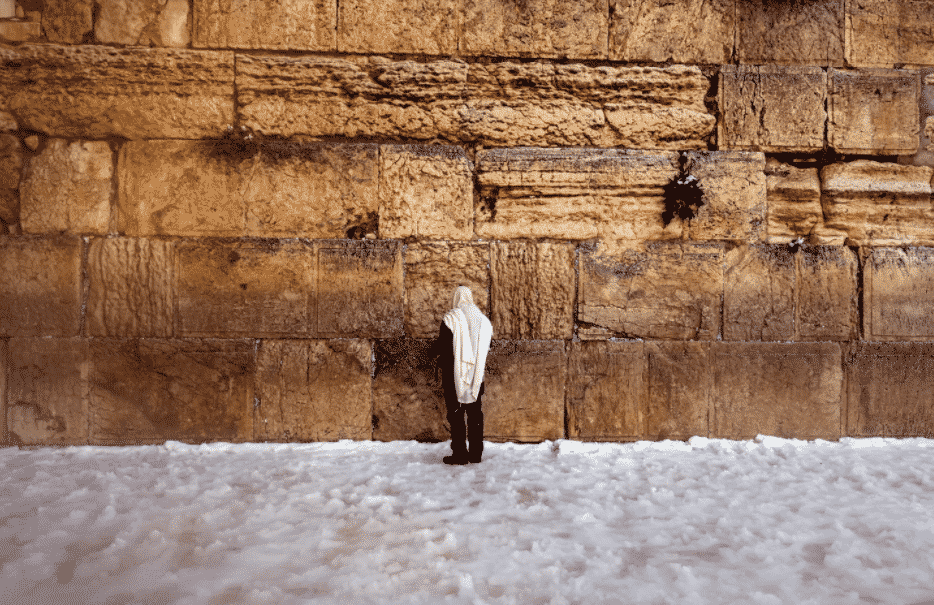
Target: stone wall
column 242, row 221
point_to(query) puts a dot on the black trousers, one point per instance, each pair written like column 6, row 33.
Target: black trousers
column 462, row 432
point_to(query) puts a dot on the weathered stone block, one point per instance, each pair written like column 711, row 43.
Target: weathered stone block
column 313, row 390
column 679, row 390
column 408, row 401
column 693, row 31
column 524, row 395
column 66, row 188
column 658, row 290
column 793, row 196
column 398, row 26
column 541, row 28
column 142, row 22
column 786, row 390
column 874, row 111
column 20, row 31
column 11, row 165
column 758, row 293
column 826, row 291
column 883, row 33
column 132, row 289
column 432, row 271
column 898, row 290
column 40, row 293
column 533, row 290
column 772, row 108
column 425, row 192
column 606, row 391
column 94, row 92
column 574, row 193
column 733, row 183
column 147, row 391
column 796, row 33
column 47, row 393
column 279, row 24
column 67, row 21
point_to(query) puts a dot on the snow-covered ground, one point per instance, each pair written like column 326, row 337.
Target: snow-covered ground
column 709, row 521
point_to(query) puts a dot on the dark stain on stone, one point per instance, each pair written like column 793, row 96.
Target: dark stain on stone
column 683, row 195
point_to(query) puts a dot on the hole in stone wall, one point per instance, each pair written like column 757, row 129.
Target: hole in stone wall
column 683, row 195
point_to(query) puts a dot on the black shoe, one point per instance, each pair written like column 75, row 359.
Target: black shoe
column 473, row 459
column 455, row 460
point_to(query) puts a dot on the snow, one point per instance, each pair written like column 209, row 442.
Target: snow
column 767, row 521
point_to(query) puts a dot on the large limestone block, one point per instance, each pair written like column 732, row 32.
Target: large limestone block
column 245, row 289
column 772, row 108
column 433, row 270
column 574, row 193
column 883, row 33
column 692, row 31
column 826, row 294
column 540, row 28
column 758, row 293
column 313, row 390
column 67, row 188
column 795, row 33
column 147, row 390
column 94, row 92
column 889, row 389
column 874, row 111
column 898, row 291
column 67, row 21
column 20, row 31
column 533, row 290
column 132, row 287
column 279, row 24
column 40, row 293
column 398, row 26
column 878, row 203
column 524, row 395
column 11, row 166
column 733, row 183
column 606, row 391
column 425, row 192
column 408, row 401
column 142, row 22
column 657, row 290
column 679, row 390
column 787, row 390
column 47, row 392
column 793, row 196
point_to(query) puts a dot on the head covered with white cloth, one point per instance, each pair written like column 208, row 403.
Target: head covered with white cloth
column 472, row 335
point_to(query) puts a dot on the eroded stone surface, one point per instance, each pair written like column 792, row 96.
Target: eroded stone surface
column 898, row 290
column 883, row 33
column 20, row 31
column 11, row 164
column 680, row 390
column 794, row 207
column 408, row 401
column 694, row 31
column 606, row 391
column 279, row 24
column 398, row 26
column 874, row 111
column 827, row 304
column 67, row 21
column 758, row 293
column 795, row 33
column 142, row 22
column 733, row 183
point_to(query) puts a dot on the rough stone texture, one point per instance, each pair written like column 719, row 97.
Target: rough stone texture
column 772, row 108
column 898, row 290
column 94, row 92
column 796, row 33
column 11, row 164
column 533, row 290
column 7, row 122
column 278, row 24
column 66, row 188
column 67, row 21
column 47, row 396
column 40, row 293
column 877, row 203
column 733, row 183
column 794, row 207
column 524, row 395
column 606, row 391
column 425, row 192
column 786, row 390
column 142, row 22
column 432, row 271
column 679, row 390
column 758, row 293
column 826, row 290
column 874, row 111
column 692, row 31
column 890, row 387
column 408, row 401
column 147, row 391
column 313, row 390
column 20, row 31
column 398, row 26
column 132, row 287
column 540, row 28
column 249, row 289
column 883, row 33
column 658, row 290
column 574, row 193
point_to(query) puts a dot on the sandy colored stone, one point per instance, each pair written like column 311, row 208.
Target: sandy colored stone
column 679, row 390
column 826, row 289
column 524, row 394
column 398, row 26
column 131, row 290
column 883, row 33
column 772, row 108
column 8, row 122
column 20, row 31
column 898, row 290
column 878, row 203
column 67, row 188
column 94, row 92
column 606, row 391
column 313, row 390
column 148, row 391
column 408, row 401
column 142, row 22
column 245, row 289
column 692, row 31
column 574, row 193
column 874, row 111
column 279, row 24
column 758, row 293
column 11, row 165
column 734, row 189
column 40, row 293
column 425, row 192
column 67, row 21
column 540, row 28
column 533, row 290
column 790, row 33
column 657, row 290
column 433, row 270
column 786, row 390
column 793, row 196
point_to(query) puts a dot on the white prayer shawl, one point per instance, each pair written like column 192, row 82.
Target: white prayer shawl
column 472, row 335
